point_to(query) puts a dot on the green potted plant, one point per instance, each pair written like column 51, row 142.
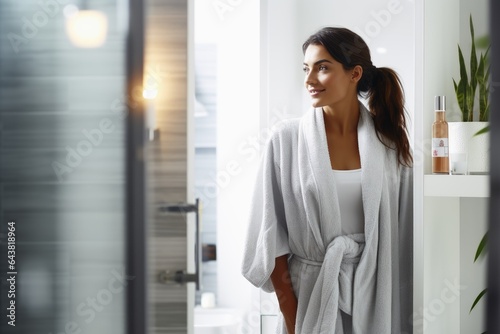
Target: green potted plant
column 481, row 250
column 472, row 86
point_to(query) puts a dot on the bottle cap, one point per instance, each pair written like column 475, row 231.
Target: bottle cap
column 440, row 102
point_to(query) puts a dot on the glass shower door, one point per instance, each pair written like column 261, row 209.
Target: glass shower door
column 62, row 171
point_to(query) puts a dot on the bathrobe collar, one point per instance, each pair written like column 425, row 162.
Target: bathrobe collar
column 371, row 151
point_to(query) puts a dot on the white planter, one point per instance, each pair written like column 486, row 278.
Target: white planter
column 472, row 151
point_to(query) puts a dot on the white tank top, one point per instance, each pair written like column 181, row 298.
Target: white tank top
column 348, row 184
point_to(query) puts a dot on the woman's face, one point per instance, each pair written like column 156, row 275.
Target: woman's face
column 326, row 80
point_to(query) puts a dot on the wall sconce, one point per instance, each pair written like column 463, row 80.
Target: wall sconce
column 85, row 28
column 149, row 96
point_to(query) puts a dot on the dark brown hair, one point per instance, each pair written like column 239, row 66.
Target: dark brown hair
column 381, row 85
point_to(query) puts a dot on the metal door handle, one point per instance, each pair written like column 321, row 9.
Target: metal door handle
column 181, row 276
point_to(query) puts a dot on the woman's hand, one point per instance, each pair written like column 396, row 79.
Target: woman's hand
column 282, row 283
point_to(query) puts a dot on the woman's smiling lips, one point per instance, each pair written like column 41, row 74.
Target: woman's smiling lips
column 315, row 92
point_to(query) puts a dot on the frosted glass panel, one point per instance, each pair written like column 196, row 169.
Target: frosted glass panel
column 62, row 170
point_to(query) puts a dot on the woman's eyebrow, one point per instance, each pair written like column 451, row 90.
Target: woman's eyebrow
column 320, row 61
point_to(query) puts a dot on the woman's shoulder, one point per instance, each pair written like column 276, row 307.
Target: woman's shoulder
column 282, row 139
column 285, row 131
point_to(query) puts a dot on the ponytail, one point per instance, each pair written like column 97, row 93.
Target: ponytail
column 386, row 102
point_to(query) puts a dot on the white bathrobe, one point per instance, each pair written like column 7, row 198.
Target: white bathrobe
column 295, row 210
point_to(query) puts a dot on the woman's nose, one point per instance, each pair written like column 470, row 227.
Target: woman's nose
column 310, row 78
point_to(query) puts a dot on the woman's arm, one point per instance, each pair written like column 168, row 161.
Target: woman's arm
column 282, row 283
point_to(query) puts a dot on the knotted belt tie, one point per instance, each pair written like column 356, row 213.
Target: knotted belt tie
column 333, row 289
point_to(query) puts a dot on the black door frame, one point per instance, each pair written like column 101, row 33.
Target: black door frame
column 493, row 295
column 136, row 307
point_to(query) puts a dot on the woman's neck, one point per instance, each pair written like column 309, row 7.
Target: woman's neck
column 342, row 119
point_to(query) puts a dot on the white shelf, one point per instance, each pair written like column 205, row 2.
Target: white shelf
column 456, row 185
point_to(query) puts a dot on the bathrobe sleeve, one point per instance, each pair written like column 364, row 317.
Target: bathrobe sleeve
column 406, row 248
column 267, row 235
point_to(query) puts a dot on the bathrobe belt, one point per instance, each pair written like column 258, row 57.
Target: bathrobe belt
column 333, row 289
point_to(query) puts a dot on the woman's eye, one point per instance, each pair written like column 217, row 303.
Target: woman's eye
column 322, row 67
column 305, row 69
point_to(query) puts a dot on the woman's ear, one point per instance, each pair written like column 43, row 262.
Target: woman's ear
column 356, row 73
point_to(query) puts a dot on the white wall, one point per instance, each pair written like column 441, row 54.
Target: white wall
column 441, row 238
column 237, row 126
column 383, row 24
column 234, row 27
column 237, row 37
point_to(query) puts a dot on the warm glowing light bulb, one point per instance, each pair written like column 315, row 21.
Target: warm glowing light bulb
column 86, row 28
column 149, row 94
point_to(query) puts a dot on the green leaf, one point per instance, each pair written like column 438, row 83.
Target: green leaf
column 471, row 25
column 483, row 42
column 463, row 88
column 480, row 69
column 486, row 93
column 463, row 69
column 480, row 132
column 486, row 54
column 478, row 298
column 484, row 240
column 482, row 79
column 461, row 98
column 473, row 65
column 470, row 103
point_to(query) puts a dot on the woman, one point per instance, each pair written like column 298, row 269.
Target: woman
column 332, row 218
